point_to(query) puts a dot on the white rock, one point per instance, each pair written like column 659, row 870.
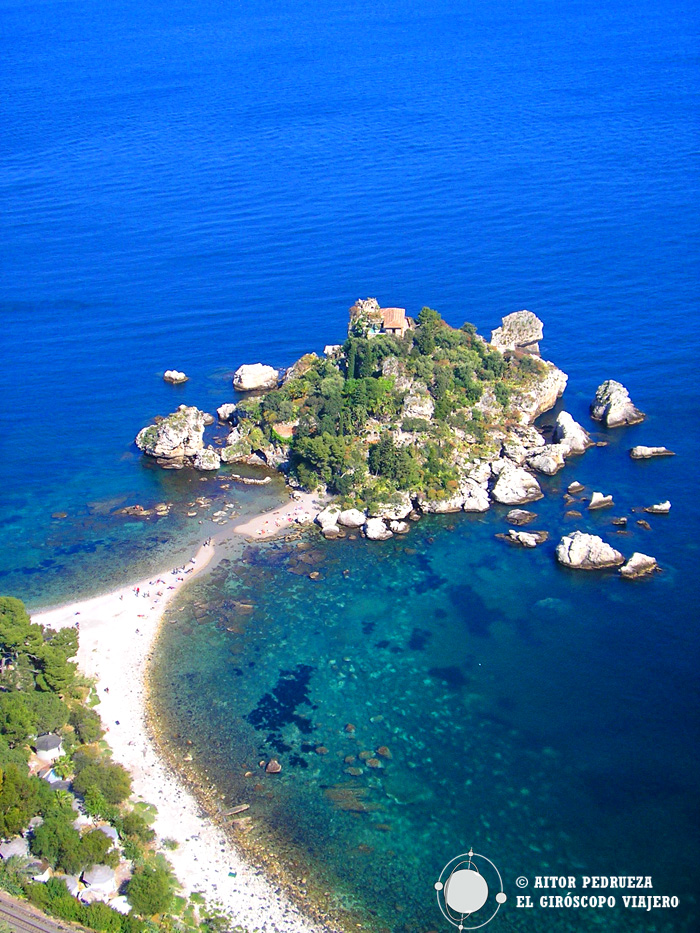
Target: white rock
column 328, row 516
column 645, row 453
column 661, row 508
column 599, row 501
column 352, row 518
column 587, row 552
column 525, row 538
column 540, row 395
column 255, row 376
column 227, row 412
column 521, row 330
column 208, row 459
column 570, row 434
column 376, row 530
column 549, row 459
column 612, row 405
column 400, row 528
column 639, row 565
column 332, row 350
column 515, row 486
column 476, row 497
column 179, row 435
column 441, row 506
column 418, row 406
column 174, row 376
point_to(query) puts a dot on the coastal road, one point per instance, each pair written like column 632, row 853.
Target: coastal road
column 22, row 918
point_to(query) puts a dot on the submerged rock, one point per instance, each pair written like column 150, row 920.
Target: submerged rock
column 639, row 565
column 582, row 551
column 255, row 376
column 612, row 405
column 646, row 453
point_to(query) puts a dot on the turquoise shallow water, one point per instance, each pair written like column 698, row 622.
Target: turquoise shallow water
column 202, row 186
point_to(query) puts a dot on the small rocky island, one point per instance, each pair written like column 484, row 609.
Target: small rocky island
column 405, row 417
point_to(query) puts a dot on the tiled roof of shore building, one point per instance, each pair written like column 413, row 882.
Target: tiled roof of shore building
column 394, row 317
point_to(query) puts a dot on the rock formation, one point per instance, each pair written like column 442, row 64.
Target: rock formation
column 352, row 518
column 599, row 501
column 255, row 377
column 208, row 459
column 612, row 405
column 549, row 459
column 661, row 508
column 514, row 486
column 570, row 434
column 646, row 453
column 178, row 436
column 520, row 517
column 541, row 396
column 587, row 552
column 521, row 330
column 639, row 565
column 227, row 412
column 376, row 530
column 174, row 376
column 476, row 497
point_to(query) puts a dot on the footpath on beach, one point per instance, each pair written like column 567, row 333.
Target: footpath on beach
column 117, row 634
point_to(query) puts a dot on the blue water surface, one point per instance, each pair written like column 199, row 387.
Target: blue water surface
column 202, row 185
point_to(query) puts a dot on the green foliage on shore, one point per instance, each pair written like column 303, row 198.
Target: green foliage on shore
column 357, row 434
column 41, row 692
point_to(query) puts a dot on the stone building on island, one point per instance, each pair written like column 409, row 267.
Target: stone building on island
column 367, row 319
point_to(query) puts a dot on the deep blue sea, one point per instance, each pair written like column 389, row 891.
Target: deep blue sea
column 201, row 185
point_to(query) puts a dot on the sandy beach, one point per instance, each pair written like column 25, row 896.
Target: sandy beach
column 117, row 633
column 299, row 510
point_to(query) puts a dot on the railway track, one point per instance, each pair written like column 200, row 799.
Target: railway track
column 22, row 920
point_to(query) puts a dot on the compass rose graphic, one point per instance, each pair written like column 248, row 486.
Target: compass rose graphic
column 462, row 891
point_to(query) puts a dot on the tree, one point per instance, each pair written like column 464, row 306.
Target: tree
column 110, row 779
column 150, row 890
column 87, row 723
column 20, row 799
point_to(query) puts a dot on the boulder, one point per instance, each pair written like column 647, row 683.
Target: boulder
column 575, row 488
column 526, row 538
column 174, row 376
column 328, row 516
column 331, row 532
column 661, row 508
column 520, row 517
column 255, row 377
column 352, row 518
column 581, row 551
column 599, row 501
column 476, row 497
column 376, row 530
column 208, row 459
column 639, row 565
column 179, row 435
column 399, row 528
column 227, row 413
column 521, row 330
column 612, row 405
column 515, row 486
column 549, row 460
column 520, row 442
column 570, row 434
column 646, row 453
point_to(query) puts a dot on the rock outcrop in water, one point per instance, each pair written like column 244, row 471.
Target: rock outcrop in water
column 255, row 377
column 647, row 453
column 177, row 437
column 174, row 376
column 612, row 405
column 521, row 330
column 638, row 566
column 582, row 551
column 571, row 435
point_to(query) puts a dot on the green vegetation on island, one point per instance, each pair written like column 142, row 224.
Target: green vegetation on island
column 390, row 412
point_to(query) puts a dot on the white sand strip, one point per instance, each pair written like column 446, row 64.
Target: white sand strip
column 117, row 633
column 300, row 510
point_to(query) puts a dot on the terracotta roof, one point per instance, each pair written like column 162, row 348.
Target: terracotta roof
column 394, row 317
